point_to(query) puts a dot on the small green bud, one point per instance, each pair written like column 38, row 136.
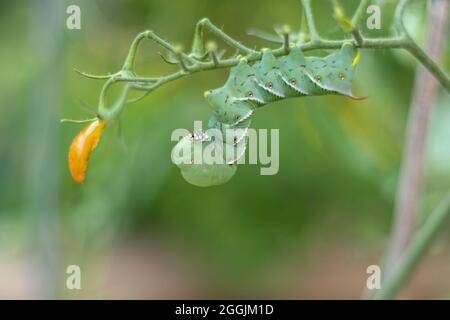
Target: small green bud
column 178, row 48
column 286, row 29
column 211, row 46
column 339, row 15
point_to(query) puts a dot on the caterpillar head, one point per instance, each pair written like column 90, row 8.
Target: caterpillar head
column 207, row 175
column 203, row 173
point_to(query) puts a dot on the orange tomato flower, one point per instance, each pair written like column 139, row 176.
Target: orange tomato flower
column 82, row 147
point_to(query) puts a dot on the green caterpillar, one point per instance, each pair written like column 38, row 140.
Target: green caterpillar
column 252, row 86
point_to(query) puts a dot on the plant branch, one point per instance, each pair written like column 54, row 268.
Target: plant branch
column 359, row 12
column 427, row 61
column 310, row 20
column 77, row 121
column 226, row 38
column 131, row 57
column 346, row 24
column 200, row 60
column 398, row 20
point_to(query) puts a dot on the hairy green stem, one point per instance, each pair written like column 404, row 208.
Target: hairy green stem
column 399, row 11
column 214, row 58
column 64, row 120
column 310, row 19
column 226, row 38
column 359, row 12
column 413, row 48
column 309, row 46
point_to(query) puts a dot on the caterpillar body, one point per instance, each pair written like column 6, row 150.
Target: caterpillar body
column 250, row 87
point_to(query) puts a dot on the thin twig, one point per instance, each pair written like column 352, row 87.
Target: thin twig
column 77, row 120
column 226, row 38
column 310, row 20
column 93, row 76
column 214, row 57
column 346, row 24
column 399, row 11
column 359, row 12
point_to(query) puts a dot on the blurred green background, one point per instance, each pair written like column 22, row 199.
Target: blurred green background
column 136, row 228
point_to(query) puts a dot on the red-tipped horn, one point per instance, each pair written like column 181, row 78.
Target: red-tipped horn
column 358, row 98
